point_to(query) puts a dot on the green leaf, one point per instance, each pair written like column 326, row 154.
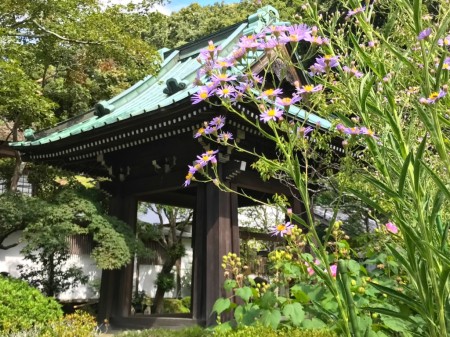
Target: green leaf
column 251, row 315
column 229, row 285
column 417, row 161
column 268, row 300
column 353, row 267
column 437, row 180
column 245, row 293
column 270, row 317
column 394, row 323
column 221, row 305
column 294, row 311
column 313, row 323
column 368, row 201
column 399, row 296
column 365, row 88
column 382, row 187
column 403, row 174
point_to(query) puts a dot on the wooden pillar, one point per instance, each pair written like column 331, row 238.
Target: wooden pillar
column 199, row 257
column 117, row 285
column 216, row 233
column 298, row 207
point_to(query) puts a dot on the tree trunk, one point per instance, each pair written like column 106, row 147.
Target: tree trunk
column 18, row 170
column 158, row 304
column 18, row 166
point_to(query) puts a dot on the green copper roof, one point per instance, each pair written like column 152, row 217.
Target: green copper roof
column 151, row 94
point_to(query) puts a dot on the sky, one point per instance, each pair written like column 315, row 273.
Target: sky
column 175, row 5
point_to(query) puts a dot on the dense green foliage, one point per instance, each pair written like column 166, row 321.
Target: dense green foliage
column 382, row 83
column 23, row 307
column 257, row 331
column 78, row 324
column 254, row 331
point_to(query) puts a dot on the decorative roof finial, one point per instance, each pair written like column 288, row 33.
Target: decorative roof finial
column 173, row 86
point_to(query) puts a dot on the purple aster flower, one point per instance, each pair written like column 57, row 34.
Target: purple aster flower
column 324, row 64
column 328, row 61
column 309, row 88
column 271, row 114
column 303, row 132
column 205, row 158
column 271, row 93
column 355, row 11
column 371, row 44
column 434, row 96
column 281, row 229
column 248, row 42
column 275, row 30
column 446, row 64
column 224, row 63
column 296, row 33
column 254, row 78
column 367, row 132
column 352, row 71
column 340, row 127
column 238, row 53
column 200, row 132
column 424, row 34
column 226, row 91
column 269, row 44
column 202, row 94
column 287, row 101
column 210, row 51
column 445, row 41
column 217, row 122
column 222, row 77
column 225, row 137
column 352, row 131
column 316, row 40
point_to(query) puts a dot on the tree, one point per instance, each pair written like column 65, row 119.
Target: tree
column 62, row 208
column 173, row 222
column 57, row 58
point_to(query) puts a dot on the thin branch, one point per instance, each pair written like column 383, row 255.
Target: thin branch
column 48, row 31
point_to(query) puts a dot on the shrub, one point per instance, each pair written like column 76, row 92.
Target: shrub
column 175, row 306
column 186, row 301
column 78, row 324
column 257, row 331
column 23, row 307
column 195, row 331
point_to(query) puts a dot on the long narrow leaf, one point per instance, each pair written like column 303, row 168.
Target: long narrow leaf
column 400, row 297
column 417, row 161
column 388, row 312
column 437, row 180
column 402, row 179
column 367, row 200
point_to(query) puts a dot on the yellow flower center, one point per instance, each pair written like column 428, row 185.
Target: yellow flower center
column 286, row 100
column 203, row 95
column 308, row 88
column 226, row 91
column 433, row 95
column 205, row 157
column 281, row 227
column 271, row 112
column 269, row 92
column 189, row 176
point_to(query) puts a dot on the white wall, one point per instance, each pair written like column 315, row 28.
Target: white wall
column 9, row 259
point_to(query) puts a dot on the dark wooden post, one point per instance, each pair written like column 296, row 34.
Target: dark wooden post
column 117, row 285
column 216, row 233
column 199, row 258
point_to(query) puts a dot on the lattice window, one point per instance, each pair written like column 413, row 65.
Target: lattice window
column 23, row 186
